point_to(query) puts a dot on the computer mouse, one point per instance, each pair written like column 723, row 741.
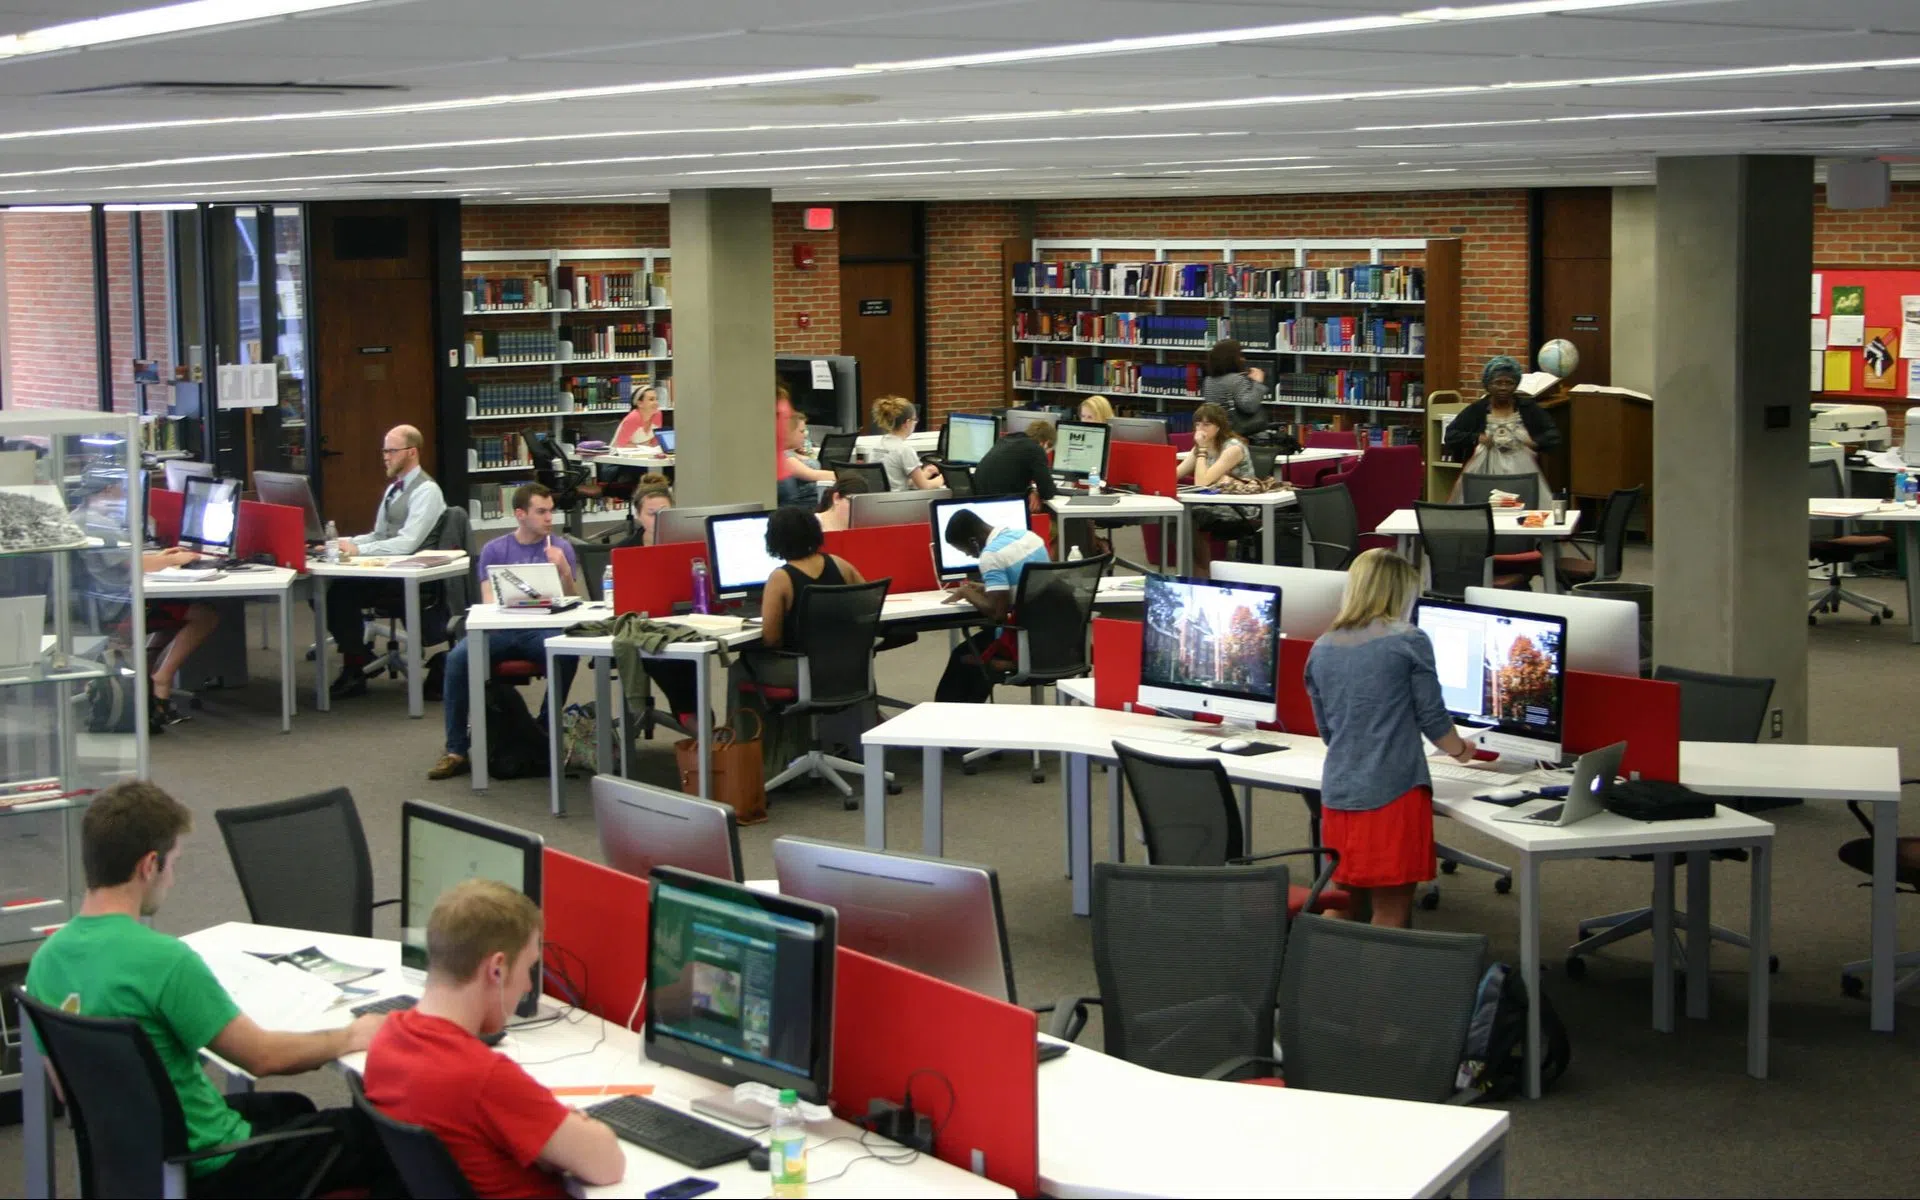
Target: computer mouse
column 1233, row 745
column 758, row 1159
column 1505, row 795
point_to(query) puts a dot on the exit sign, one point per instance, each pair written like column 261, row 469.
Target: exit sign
column 817, row 220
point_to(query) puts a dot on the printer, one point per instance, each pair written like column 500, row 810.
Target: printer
column 1863, row 426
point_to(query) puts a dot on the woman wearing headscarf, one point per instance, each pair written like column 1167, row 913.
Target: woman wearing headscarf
column 1502, row 433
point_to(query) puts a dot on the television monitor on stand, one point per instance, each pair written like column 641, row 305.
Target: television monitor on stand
column 1502, row 674
column 1151, row 430
column 689, row 524
column 1016, row 420
column 208, row 515
column 1310, row 598
column 285, row 487
column 1080, row 450
column 1211, row 648
column 440, row 848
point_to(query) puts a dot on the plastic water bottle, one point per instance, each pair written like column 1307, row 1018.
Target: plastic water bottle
column 702, row 592
column 606, row 584
column 333, row 542
column 787, row 1147
column 1095, row 484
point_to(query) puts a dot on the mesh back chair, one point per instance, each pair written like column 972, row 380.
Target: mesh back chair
column 959, row 477
column 1599, row 559
column 569, row 479
column 303, row 863
column 1457, row 543
column 1052, row 614
column 418, row 1155
column 1372, row 1011
column 1189, row 818
column 128, row 1130
column 1332, row 526
column 836, row 449
column 1479, row 489
column 1834, row 545
column 874, row 473
column 832, row 670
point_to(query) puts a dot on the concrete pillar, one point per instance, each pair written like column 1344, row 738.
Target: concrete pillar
column 1734, row 251
column 1631, row 338
column 723, row 345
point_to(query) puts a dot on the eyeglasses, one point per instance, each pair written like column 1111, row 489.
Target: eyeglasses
column 386, row 450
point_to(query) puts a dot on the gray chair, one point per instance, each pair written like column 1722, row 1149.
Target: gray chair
column 1331, row 534
column 836, row 449
column 1833, row 544
column 1599, row 559
column 419, row 1157
column 303, row 863
column 1478, row 489
column 874, row 473
column 1051, row 619
column 959, row 477
column 1457, row 543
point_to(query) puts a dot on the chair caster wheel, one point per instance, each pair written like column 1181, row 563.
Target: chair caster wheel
column 1852, row 986
column 1576, row 967
column 1038, row 776
column 894, row 788
column 1448, row 866
column 850, row 804
column 1503, row 884
column 1430, row 900
column 1873, row 620
column 967, row 768
column 1887, row 613
column 1812, row 621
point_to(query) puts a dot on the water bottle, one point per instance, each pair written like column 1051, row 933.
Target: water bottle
column 606, row 584
column 333, row 542
column 1095, row 484
column 787, row 1147
column 702, row 592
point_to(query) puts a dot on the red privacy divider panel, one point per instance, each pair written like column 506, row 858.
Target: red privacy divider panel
column 902, row 553
column 1116, row 674
column 278, row 529
column 165, row 508
column 1296, row 711
column 1145, row 465
column 1041, row 523
column 896, row 1029
column 652, row 579
column 596, row 931
column 1643, row 713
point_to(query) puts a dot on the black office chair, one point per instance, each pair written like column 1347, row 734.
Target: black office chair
column 959, row 477
column 1858, row 854
column 1189, row 818
column 1051, row 618
column 1331, row 534
column 836, row 449
column 832, row 670
column 1479, row 489
column 1834, row 545
column 128, row 1130
column 874, row 473
column 441, row 601
column 1457, row 542
column 419, row 1157
column 303, row 863
column 570, row 480
column 1599, row 559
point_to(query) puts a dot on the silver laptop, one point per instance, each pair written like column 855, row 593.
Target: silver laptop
column 525, row 585
column 1593, row 774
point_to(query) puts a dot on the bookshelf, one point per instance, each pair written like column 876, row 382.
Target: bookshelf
column 555, row 341
column 1442, row 407
column 1350, row 331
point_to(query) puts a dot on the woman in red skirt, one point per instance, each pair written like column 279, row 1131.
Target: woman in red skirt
column 1375, row 693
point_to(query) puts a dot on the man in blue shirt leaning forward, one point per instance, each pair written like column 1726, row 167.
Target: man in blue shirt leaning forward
column 1004, row 556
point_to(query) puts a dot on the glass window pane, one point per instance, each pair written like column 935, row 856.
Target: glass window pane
column 48, row 356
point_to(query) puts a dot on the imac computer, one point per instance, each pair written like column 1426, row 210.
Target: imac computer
column 1310, row 598
column 869, row 509
column 969, row 436
column 673, row 525
column 932, row 915
column 1211, row 648
column 1603, row 636
column 997, row 511
column 285, row 487
column 440, row 848
column 208, row 515
column 1080, row 450
column 1016, row 420
column 643, row 827
column 739, row 984
column 737, row 553
column 1152, row 430
column 179, row 470
column 1502, row 674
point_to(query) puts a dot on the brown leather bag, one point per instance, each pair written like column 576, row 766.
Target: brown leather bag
column 739, row 779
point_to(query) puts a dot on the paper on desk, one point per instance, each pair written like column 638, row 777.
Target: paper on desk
column 275, row 995
column 183, row 574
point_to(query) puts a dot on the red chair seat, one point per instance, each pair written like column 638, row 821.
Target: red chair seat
column 779, row 695
column 1517, row 583
column 1576, row 569
column 1850, row 546
column 518, row 668
column 1333, row 899
column 1525, row 560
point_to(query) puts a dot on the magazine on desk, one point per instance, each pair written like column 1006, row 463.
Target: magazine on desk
column 320, row 965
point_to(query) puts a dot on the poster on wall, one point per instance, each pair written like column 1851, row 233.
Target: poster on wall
column 1910, row 320
column 1819, row 360
column 1913, row 379
column 1839, row 374
column 1846, row 330
column 1849, row 300
column 1881, row 359
column 1816, row 293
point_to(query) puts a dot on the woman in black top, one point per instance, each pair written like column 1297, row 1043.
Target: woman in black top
column 1236, row 387
column 1503, row 432
column 794, row 534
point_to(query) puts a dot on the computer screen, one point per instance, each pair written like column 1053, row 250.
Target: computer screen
column 1016, row 420
column 643, row 827
column 970, row 436
column 739, row 984
column 285, row 487
column 1603, row 634
column 1002, row 511
column 1080, row 449
column 1152, row 430
column 737, row 553
column 675, row 525
column 208, row 513
column 1500, row 671
column 179, row 470
column 440, row 848
column 664, row 439
column 1211, row 647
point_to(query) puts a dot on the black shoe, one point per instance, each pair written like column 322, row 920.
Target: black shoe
column 351, row 682
column 161, row 713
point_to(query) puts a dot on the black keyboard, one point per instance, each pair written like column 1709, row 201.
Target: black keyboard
column 683, row 1138
column 386, row 1004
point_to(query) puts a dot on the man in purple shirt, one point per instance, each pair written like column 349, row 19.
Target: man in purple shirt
column 532, row 541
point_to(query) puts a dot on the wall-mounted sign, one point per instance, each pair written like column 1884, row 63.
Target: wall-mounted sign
column 376, row 349
column 1586, row 321
column 876, row 308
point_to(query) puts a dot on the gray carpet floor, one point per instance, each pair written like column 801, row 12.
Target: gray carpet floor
column 1639, row 1113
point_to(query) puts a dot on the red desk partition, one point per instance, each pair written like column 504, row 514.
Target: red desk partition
column 652, row 579
column 902, row 553
column 165, row 508
column 1116, row 674
column 1041, row 525
column 968, row 1059
column 596, row 931
column 1145, row 465
column 277, row 529
column 1296, row 710
column 1643, row 713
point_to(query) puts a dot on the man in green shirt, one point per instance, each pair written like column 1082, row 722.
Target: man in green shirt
column 105, row 963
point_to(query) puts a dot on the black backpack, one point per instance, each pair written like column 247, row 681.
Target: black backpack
column 516, row 744
column 1495, row 1063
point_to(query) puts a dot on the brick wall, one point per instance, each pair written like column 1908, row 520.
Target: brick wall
column 815, row 291
column 966, row 304
column 48, row 352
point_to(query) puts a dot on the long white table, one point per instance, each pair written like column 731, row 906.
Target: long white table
column 1269, row 504
column 631, row 458
column 410, row 579
column 1908, row 519
column 1403, row 525
column 264, row 583
column 1135, row 508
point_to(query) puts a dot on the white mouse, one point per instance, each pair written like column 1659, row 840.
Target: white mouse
column 1505, row 795
column 1233, row 745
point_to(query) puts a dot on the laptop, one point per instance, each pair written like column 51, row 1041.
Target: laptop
column 1593, row 774
column 664, row 439
column 526, row 585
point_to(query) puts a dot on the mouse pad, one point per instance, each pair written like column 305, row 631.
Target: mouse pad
column 1251, row 749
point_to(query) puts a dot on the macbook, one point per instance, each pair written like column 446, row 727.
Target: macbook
column 1593, row 774
column 526, row 585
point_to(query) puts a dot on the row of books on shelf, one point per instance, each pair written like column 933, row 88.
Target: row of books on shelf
column 505, row 293
column 495, row 346
column 491, row 452
column 1363, row 433
column 494, row 501
column 540, row 399
column 576, row 289
column 1109, row 375
column 1129, row 328
column 625, row 338
column 613, row 393
column 1221, row 281
column 1400, row 389
column 1350, row 335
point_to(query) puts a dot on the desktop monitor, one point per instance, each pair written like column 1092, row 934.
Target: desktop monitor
column 284, row 487
column 1016, row 420
column 1080, row 450
column 643, row 827
column 1212, row 648
column 208, row 514
column 997, row 511
column 440, row 848
column 737, row 554
column 932, row 915
column 969, row 436
column 1501, row 673
column 673, row 525
column 739, row 984
column 868, row 509
column 1138, row 429
column 1311, row 599
column 179, row 470
column 1603, row 636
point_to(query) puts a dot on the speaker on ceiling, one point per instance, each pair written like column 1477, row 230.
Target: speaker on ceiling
column 1866, row 184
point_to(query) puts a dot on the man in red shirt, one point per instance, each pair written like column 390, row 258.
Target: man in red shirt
column 427, row 1066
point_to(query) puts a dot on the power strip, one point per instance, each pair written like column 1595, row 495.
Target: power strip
column 899, row 1124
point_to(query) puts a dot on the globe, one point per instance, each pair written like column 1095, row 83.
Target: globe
column 1558, row 357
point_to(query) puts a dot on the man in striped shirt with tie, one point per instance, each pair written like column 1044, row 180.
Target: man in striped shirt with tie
column 409, row 510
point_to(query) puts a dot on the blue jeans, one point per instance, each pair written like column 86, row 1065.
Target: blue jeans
column 530, row 644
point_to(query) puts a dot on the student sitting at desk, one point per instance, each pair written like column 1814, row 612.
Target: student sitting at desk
column 508, row 1134
column 409, row 509
column 895, row 417
column 1018, row 463
column 676, row 679
column 836, row 505
column 1004, row 556
column 799, row 478
column 1218, row 453
column 794, row 536
column 652, row 495
column 531, row 541
column 106, row 963
column 1374, row 690
column 636, row 428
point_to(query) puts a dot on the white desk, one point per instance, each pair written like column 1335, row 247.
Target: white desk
column 483, row 619
column 1134, row 508
column 266, row 583
column 1269, row 504
column 1404, row 527
column 1895, row 514
column 631, row 458
column 410, row 579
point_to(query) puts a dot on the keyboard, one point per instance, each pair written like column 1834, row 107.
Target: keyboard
column 386, row 1004
column 1499, row 774
column 1086, row 501
column 679, row 1136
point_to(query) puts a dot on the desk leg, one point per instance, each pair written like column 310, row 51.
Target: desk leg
column 1663, row 942
column 321, row 700
column 1528, row 872
column 603, row 724
column 1488, row 1180
column 1886, row 829
column 876, row 801
column 1759, row 972
column 1060, row 536
column 479, row 669
column 416, row 675
column 36, row 1113
column 288, row 702
column 1080, row 833
column 1699, row 932
column 1912, row 529
column 1185, row 526
column 1549, row 558
column 1269, row 515
column 555, row 766
column 932, row 803
column 703, row 713
column 1116, row 816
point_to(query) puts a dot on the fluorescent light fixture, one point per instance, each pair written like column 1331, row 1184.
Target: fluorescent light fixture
column 1201, row 162
column 156, row 22
column 141, row 208
column 1649, row 115
column 48, row 208
column 847, row 166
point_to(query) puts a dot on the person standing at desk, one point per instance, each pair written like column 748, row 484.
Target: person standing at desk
column 1236, row 387
column 531, row 541
column 905, row 472
column 1017, row 464
column 1374, row 690
column 409, row 509
column 1004, row 555
column 1503, row 432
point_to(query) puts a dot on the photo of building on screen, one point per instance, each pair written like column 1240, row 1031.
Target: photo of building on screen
column 1210, row 637
column 1521, row 664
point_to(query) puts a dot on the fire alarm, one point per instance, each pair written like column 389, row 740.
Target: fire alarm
column 817, row 220
column 802, row 256
column 803, row 320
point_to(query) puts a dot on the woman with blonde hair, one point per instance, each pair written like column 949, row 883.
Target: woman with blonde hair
column 895, row 417
column 1375, row 693
column 1096, row 410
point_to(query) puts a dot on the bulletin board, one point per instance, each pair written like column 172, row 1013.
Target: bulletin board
column 1881, row 290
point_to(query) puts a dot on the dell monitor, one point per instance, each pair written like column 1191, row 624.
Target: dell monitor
column 739, row 984
column 208, row 514
column 737, row 553
column 179, row 470
column 440, row 848
column 932, row 915
column 1211, row 648
column 284, row 487
column 1502, row 673
column 969, row 436
column 1310, row 599
column 675, row 525
column 1151, row 430
column 643, row 827
column 997, row 511
column 1080, row 450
